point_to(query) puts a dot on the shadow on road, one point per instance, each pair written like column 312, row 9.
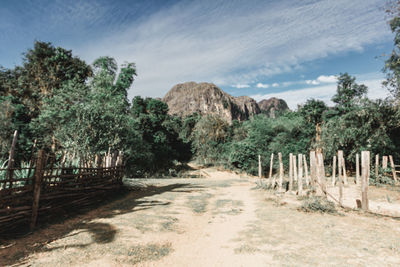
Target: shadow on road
column 14, row 248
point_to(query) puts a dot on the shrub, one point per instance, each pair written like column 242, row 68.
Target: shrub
column 318, row 204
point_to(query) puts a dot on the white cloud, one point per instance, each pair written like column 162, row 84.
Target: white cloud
column 262, row 85
column 241, row 86
column 313, row 82
column 322, row 79
column 324, row 92
column 238, row 43
column 327, row 79
column 275, row 85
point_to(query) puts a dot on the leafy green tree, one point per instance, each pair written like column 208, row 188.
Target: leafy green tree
column 160, row 134
column 209, row 137
column 313, row 112
column 348, row 93
column 45, row 69
column 88, row 118
column 372, row 126
column 392, row 64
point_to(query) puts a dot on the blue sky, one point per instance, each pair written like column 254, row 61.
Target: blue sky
column 289, row 49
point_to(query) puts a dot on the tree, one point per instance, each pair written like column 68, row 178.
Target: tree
column 372, row 126
column 348, row 93
column 392, row 64
column 313, row 112
column 209, row 137
column 25, row 88
column 88, row 118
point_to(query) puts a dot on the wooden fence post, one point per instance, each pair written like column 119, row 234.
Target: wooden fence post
column 270, row 166
column 36, row 187
column 306, row 170
column 280, row 170
column 290, row 171
column 384, row 162
column 364, row 179
column 313, row 171
column 259, row 166
column 300, row 163
column 342, row 167
column 300, row 176
column 10, row 166
column 340, row 189
column 393, row 168
column 321, row 174
column 334, row 171
column 358, row 168
column 340, row 175
column 294, row 168
column 344, row 171
column 376, row 165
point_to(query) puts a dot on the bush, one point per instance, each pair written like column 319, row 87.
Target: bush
column 384, row 176
column 318, row 204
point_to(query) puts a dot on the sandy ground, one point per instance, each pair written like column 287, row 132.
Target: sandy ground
column 220, row 220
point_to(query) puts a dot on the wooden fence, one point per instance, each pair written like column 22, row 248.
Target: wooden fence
column 316, row 181
column 41, row 189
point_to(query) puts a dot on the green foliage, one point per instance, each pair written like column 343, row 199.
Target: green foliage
column 348, row 94
column 67, row 105
column 371, row 126
column 318, row 204
column 209, row 138
column 384, row 176
column 392, row 64
column 159, row 137
column 286, row 134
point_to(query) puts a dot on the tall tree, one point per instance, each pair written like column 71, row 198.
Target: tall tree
column 313, row 112
column 348, row 93
column 392, row 64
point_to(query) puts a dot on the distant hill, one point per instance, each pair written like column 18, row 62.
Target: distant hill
column 272, row 106
column 206, row 98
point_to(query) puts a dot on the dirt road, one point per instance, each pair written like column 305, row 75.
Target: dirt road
column 220, row 220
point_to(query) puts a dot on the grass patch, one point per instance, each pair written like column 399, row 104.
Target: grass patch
column 198, row 204
column 228, row 206
column 318, row 204
column 246, row 249
column 149, row 252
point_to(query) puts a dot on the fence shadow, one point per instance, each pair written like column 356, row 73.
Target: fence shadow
column 15, row 248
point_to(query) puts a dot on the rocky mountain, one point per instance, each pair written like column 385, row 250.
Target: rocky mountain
column 272, row 105
column 206, row 98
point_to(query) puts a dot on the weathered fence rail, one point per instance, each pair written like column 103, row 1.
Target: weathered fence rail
column 27, row 194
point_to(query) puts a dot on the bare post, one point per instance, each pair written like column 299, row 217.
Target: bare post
column 300, row 177
column 334, row 171
column 384, row 162
column 36, row 188
column 364, row 179
column 393, row 167
column 344, row 171
column 290, row 171
column 306, row 170
column 300, row 163
column 376, row 165
column 259, row 166
column 358, row 168
column 313, row 171
column 10, row 170
column 270, row 167
column 294, row 168
column 321, row 173
column 280, row 171
column 341, row 166
column 368, row 167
